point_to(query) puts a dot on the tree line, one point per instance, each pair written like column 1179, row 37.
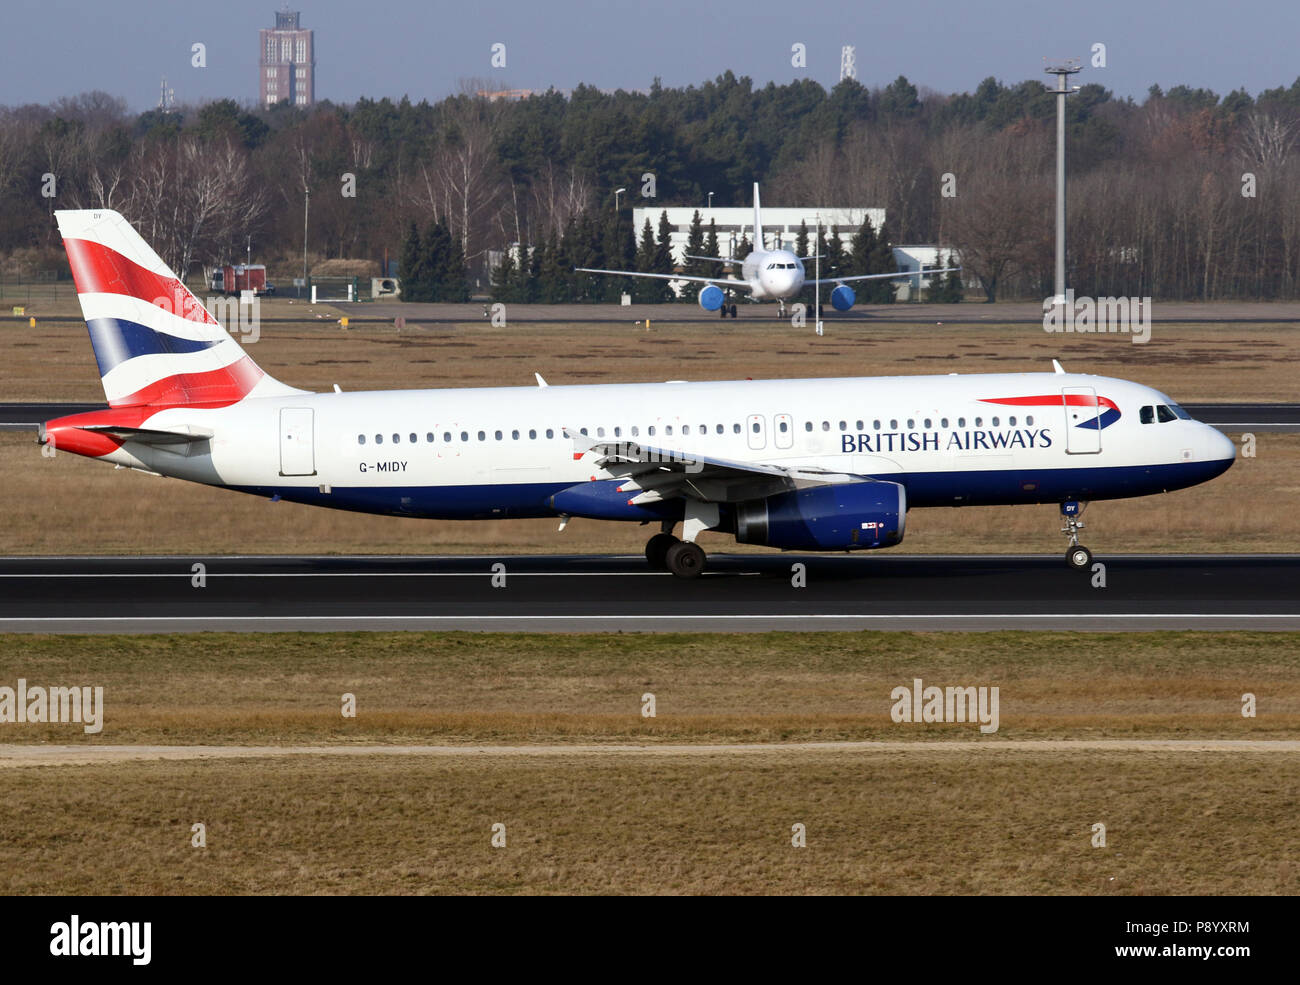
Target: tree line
column 1184, row 194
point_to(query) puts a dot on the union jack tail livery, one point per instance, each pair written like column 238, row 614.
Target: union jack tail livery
column 156, row 345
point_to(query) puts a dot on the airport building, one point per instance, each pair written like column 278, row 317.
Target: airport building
column 781, row 231
column 287, row 61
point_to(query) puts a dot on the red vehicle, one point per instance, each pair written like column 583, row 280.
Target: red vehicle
column 241, row 277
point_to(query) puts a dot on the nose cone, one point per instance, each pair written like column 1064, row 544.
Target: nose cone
column 1219, row 449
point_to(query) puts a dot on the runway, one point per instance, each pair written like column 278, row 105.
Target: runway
column 620, row 594
column 1233, row 418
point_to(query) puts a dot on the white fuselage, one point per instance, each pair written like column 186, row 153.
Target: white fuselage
column 774, row 275
column 478, row 453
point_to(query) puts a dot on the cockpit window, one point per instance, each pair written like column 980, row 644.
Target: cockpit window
column 1179, row 413
column 1147, row 415
column 1164, row 414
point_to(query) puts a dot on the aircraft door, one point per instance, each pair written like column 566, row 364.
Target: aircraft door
column 1082, row 420
column 297, row 452
column 756, row 432
column 784, row 433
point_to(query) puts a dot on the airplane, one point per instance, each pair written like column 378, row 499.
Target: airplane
column 804, row 465
column 768, row 275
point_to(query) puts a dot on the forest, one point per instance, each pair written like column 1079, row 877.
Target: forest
column 1185, row 194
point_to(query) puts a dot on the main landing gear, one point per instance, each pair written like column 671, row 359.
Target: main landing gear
column 667, row 553
column 727, row 310
column 1077, row 556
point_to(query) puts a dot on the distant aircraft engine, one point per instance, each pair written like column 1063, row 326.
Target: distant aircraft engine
column 711, row 298
column 851, row 516
column 843, row 298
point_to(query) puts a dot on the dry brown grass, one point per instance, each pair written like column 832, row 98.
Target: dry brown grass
column 286, row 688
column 880, row 823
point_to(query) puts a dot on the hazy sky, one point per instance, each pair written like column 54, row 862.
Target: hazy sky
column 423, row 49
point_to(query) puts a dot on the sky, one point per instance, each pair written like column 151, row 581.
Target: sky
column 427, row 49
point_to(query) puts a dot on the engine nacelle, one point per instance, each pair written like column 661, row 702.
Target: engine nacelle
column 843, row 298
column 852, row 516
column 711, row 298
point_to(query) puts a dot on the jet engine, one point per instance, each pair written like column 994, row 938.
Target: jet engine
column 711, row 298
column 843, row 298
column 851, row 516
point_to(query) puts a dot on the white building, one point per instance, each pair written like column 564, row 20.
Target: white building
column 780, row 226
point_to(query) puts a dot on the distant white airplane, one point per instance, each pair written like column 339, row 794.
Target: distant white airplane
column 768, row 275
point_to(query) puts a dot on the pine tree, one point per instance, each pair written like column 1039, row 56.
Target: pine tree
column 801, row 241
column 411, row 269
column 861, row 248
column 664, row 258
column 644, row 289
column 711, row 246
column 692, row 267
column 743, row 249
column 953, row 289
column 881, row 262
column 504, row 276
column 454, row 277
column 833, row 264
column 437, row 259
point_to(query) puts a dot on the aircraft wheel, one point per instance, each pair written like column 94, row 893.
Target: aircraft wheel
column 1078, row 557
column 733, row 311
column 656, row 551
column 685, row 560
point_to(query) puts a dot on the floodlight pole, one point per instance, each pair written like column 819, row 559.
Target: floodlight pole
column 1062, row 71
column 817, row 275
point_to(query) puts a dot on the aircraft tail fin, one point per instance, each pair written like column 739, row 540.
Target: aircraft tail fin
column 155, row 342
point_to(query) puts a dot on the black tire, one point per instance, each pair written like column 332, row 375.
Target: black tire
column 1079, row 558
column 733, row 311
column 656, row 551
column 722, row 311
column 685, row 560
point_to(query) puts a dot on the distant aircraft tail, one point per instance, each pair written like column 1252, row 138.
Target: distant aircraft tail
column 758, row 222
column 155, row 343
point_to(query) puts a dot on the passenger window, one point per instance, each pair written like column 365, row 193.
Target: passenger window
column 414, row 438
column 1164, row 414
column 1012, row 421
column 704, row 429
column 361, row 439
column 482, row 436
column 927, row 423
column 429, row 437
column 735, row 428
column 893, row 425
column 668, row 429
column 446, row 436
column 979, row 422
column 961, row 422
column 532, row 434
column 995, row 422
column 807, row 425
column 686, row 429
column 600, row 432
column 1029, row 421
column 650, row 430
column 757, row 427
column 397, row 439
column 635, row 430
column 550, row 432
column 911, row 424
column 826, row 425
column 1147, row 415
column 379, row 439
column 875, row 425
column 783, row 426
column 582, row 430
column 514, row 435
column 498, row 436
column 859, row 425
column 844, row 425
column 943, row 422
column 720, row 428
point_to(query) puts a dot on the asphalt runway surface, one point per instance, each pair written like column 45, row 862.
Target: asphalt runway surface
column 738, row 592
column 1227, row 417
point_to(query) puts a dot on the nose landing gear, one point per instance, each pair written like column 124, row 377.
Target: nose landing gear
column 1077, row 556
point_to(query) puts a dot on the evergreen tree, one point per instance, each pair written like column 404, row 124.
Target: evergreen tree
column 692, row 267
column 453, row 277
column 953, row 290
column 834, row 259
column 711, row 246
column 411, row 270
column 664, row 263
column 437, row 260
column 801, row 241
column 861, row 249
column 881, row 262
column 504, row 277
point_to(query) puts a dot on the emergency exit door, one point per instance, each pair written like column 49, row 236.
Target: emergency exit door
column 297, row 452
column 1082, row 420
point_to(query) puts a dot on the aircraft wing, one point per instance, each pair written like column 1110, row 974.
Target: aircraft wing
column 728, row 281
column 901, row 273
column 653, row 474
column 691, row 256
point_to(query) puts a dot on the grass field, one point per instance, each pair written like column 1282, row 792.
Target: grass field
column 887, row 823
column 286, row 688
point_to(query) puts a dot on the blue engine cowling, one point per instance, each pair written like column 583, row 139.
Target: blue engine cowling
column 711, row 298
column 852, row 516
column 843, row 298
